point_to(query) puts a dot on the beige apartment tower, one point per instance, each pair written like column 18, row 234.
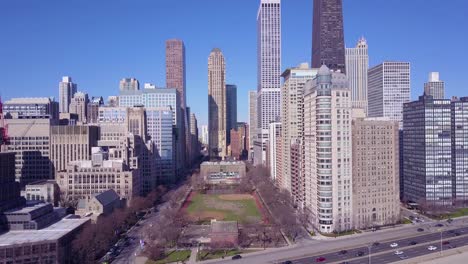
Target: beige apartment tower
column 217, row 104
column 376, row 200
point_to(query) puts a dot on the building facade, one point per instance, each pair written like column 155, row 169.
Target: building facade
column 175, row 68
column 253, row 123
column 129, row 84
column 217, row 104
column 389, row 87
column 93, row 109
column 427, row 150
column 328, row 46
column 268, row 72
column 70, row 143
column 274, row 134
column 231, row 110
column 328, row 152
column 376, row 180
column 357, row 65
column 434, row 86
column 45, row 190
column 79, row 106
column 66, row 91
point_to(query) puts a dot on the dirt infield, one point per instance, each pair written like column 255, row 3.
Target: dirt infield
column 235, row 197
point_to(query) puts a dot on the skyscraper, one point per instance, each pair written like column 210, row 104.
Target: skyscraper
column 217, row 104
column 79, row 106
column 434, row 86
column 268, row 71
column 66, row 91
column 292, row 118
column 204, row 134
column 231, row 109
column 328, row 46
column 175, row 67
column 129, row 84
column 253, row 123
column 388, row 89
column 357, row 64
column 459, row 148
column 328, row 151
column 427, row 165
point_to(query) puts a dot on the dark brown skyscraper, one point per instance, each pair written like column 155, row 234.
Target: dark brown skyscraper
column 175, row 67
column 328, row 37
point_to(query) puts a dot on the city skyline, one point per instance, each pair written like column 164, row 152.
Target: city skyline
column 98, row 76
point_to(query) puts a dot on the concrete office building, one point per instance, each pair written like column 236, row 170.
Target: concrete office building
column 66, row 91
column 328, row 46
column 297, row 171
column 129, row 84
column 376, row 179
column 328, row 151
column 204, row 134
column 84, row 178
column 268, row 73
column 388, row 89
column 434, row 86
column 93, row 109
column 70, row 143
column 195, row 149
column 45, row 190
column 427, row 167
column 217, row 104
column 112, row 101
column 459, row 109
column 292, row 115
column 79, row 106
column 357, row 65
column 9, row 188
column 274, row 134
column 175, row 68
column 29, row 121
column 253, row 123
column 231, row 110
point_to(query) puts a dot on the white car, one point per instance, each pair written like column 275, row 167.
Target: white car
column 399, row 252
column 393, row 245
column 432, row 248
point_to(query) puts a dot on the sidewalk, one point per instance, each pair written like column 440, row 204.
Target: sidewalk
column 141, row 260
column 193, row 256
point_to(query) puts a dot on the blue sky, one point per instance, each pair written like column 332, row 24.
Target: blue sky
column 100, row 42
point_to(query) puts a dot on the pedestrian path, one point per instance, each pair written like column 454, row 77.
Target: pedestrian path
column 193, row 256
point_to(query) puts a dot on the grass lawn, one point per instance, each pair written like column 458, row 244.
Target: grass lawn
column 173, row 256
column 406, row 221
column 206, row 255
column 344, row 233
column 204, row 207
column 458, row 213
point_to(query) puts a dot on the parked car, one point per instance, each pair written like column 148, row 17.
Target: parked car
column 432, row 248
column 236, row 257
column 393, row 245
column 420, row 229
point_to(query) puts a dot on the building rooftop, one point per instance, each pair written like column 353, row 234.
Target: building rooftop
column 28, row 209
column 29, row 100
column 107, row 197
column 222, row 163
column 105, row 163
column 50, row 233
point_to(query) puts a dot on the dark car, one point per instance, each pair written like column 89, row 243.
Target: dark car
column 236, row 257
column 320, row 259
column 450, row 220
column 445, row 242
column 342, row 252
column 439, row 225
column 420, row 229
column 287, row 262
column 359, row 254
column 376, row 244
column 456, row 234
column 412, row 243
column 451, row 246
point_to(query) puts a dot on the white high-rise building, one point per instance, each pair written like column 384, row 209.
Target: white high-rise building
column 253, row 121
column 292, row 118
column 268, row 72
column 389, row 86
column 274, row 134
column 328, row 151
column 434, row 86
column 204, row 134
column 357, row 65
column 66, row 91
column 217, row 104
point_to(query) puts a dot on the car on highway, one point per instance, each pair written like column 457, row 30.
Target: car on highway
column 375, row 244
column 439, row 225
column 359, row 254
column 412, row 243
column 320, row 259
column 286, row 262
column 420, row 229
column 399, row 252
column 451, row 246
column 445, row 242
column 402, row 256
column 432, row 248
column 393, row 245
column 342, row 252
column 236, row 257
column 456, row 234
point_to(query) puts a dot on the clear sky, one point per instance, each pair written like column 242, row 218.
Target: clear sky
column 100, row 42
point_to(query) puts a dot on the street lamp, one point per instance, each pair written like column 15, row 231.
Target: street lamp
column 369, row 247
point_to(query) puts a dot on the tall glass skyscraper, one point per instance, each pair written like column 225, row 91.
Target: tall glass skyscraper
column 231, row 110
column 66, row 91
column 328, row 35
column 268, row 71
